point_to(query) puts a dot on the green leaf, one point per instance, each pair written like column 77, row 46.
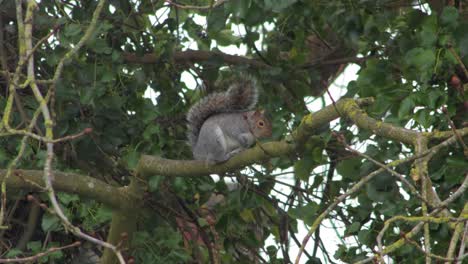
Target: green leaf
column 305, row 213
column 247, row 215
column 457, row 162
column 202, row 222
column 313, row 260
column 435, row 99
column 67, row 198
column 34, row 246
column 424, row 118
column 216, row 20
column 225, row 37
column 3, row 156
column 428, row 37
column 272, row 251
column 406, row 107
column 364, row 236
column 72, row 30
column 154, row 182
column 14, row 252
column 449, row 17
column 239, row 8
column 103, row 214
column 304, row 167
column 132, row 158
column 422, row 59
column 353, row 228
column 100, row 46
column 278, row 5
column 349, row 168
column 50, row 223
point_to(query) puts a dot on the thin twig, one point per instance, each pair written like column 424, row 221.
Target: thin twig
column 39, row 255
column 454, row 129
column 397, row 244
column 367, row 178
column 49, row 122
column 460, row 62
column 386, row 167
column 428, row 254
column 461, row 253
column 207, row 7
column 421, row 166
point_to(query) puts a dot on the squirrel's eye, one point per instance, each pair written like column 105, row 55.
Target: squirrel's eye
column 260, row 123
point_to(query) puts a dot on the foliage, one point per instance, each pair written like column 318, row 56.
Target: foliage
column 410, row 57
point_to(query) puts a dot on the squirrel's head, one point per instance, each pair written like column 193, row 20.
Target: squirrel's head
column 259, row 123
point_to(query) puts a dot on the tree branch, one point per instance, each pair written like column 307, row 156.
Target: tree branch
column 194, row 56
column 82, row 185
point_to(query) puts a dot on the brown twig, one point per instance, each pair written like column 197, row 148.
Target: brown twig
column 72, row 137
column 356, row 187
column 39, row 255
column 428, row 254
column 212, row 5
column 454, row 129
column 191, row 56
column 461, row 253
column 460, row 62
column 397, row 244
column 385, row 167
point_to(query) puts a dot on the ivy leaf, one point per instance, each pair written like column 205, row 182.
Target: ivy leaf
column 423, row 117
column 278, row 5
column 305, row 213
column 406, row 107
column 353, row 228
column 50, row 223
column 449, row 17
column 216, row 20
column 303, row 168
column 239, row 8
column 247, row 215
column 34, row 246
column 13, row 253
column 349, row 168
column 225, row 37
column 67, row 198
column 364, row 236
column 72, row 30
column 422, row 59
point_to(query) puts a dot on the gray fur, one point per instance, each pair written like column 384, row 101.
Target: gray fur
column 222, row 136
column 241, row 96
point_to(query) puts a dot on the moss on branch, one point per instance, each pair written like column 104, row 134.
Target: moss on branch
column 82, row 185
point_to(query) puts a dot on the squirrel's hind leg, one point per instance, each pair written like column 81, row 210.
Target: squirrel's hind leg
column 218, row 147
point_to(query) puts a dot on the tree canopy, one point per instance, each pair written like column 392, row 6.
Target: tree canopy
column 95, row 162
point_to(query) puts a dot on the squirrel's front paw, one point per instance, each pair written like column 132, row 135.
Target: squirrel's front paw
column 234, row 152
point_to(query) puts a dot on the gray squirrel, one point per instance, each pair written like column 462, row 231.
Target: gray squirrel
column 223, row 124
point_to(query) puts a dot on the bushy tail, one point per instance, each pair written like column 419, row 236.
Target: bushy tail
column 241, row 96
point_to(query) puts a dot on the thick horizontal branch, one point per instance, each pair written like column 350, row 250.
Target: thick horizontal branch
column 324, row 116
column 194, row 56
column 153, row 165
column 348, row 108
column 84, row 186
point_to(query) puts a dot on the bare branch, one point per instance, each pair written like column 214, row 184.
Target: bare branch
column 195, row 56
column 207, row 7
column 39, row 255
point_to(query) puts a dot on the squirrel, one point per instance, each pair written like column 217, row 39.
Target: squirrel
column 223, row 124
